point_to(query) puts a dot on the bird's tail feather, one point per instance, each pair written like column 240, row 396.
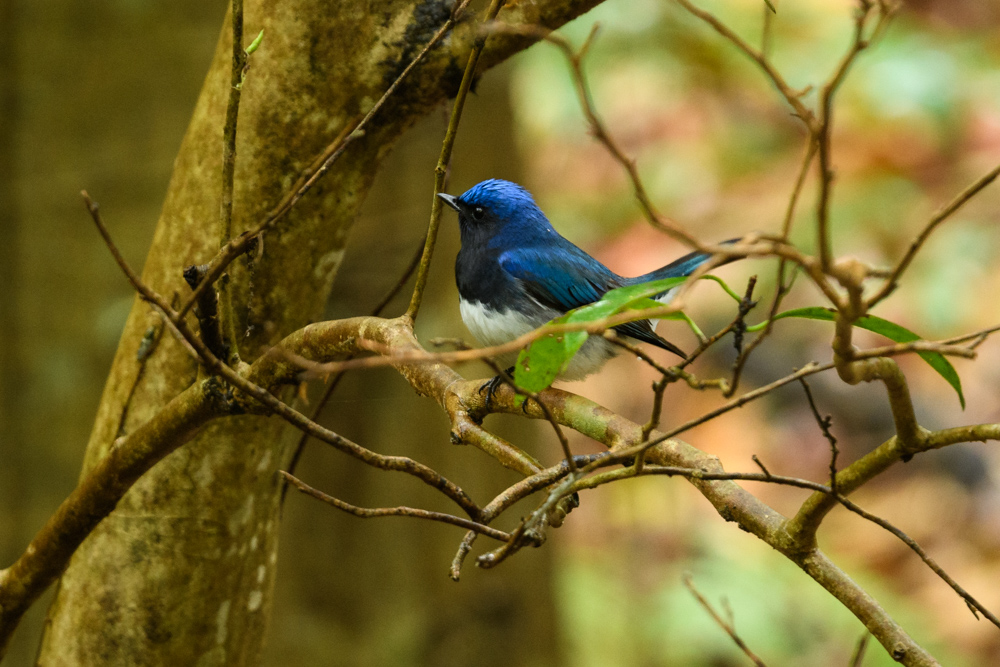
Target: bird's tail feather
column 683, row 266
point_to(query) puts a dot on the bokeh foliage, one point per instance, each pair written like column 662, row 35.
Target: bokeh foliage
column 916, row 121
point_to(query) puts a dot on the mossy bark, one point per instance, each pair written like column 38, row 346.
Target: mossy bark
column 182, row 571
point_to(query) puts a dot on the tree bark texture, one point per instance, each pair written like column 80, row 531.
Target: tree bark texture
column 182, row 571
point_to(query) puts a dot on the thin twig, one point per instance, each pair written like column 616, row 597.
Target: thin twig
column 401, row 283
column 859, row 650
column 760, row 464
column 766, row 31
column 654, row 418
column 331, row 386
column 300, row 446
column 628, row 453
column 800, row 180
column 616, row 457
column 972, row 603
column 150, row 340
column 371, row 513
column 822, row 134
column 939, row 216
column 238, row 245
column 824, row 424
column 207, row 313
column 739, row 329
column 729, row 629
column 792, row 96
column 444, row 160
column 781, row 289
column 464, row 547
column 531, row 395
column 263, row 396
column 240, row 62
column 600, row 132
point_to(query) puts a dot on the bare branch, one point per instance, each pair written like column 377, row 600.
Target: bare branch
column 366, row 513
column 824, row 424
column 600, row 132
column 96, row 495
column 239, row 379
column 531, row 395
column 822, row 130
column 333, row 382
column 441, row 170
column 942, row 214
column 238, row 245
column 973, row 604
column 729, row 629
column 859, row 651
column 739, row 328
column 696, row 474
column 792, row 96
column 455, row 571
column 240, row 63
column 207, row 312
column 760, row 464
column 800, row 180
column 803, row 525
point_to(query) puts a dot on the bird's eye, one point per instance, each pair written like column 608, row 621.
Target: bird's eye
column 478, row 212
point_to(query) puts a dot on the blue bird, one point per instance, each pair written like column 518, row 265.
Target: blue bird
column 515, row 273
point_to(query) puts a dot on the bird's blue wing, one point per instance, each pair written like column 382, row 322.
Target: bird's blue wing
column 558, row 278
column 564, row 280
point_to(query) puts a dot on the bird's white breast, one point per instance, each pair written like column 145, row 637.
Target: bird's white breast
column 493, row 327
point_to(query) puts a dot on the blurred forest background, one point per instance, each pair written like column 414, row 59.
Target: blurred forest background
column 97, row 96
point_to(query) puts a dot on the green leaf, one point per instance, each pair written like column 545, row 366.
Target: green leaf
column 621, row 299
column 255, row 44
column 891, row 330
column 724, row 286
column 540, row 363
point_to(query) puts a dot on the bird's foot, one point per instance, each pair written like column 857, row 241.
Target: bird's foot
column 492, row 386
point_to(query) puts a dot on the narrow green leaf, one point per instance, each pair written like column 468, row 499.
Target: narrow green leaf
column 255, row 44
column 724, row 286
column 891, row 330
column 618, row 299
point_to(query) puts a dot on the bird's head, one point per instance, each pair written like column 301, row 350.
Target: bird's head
column 494, row 206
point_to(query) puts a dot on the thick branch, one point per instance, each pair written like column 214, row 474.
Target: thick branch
column 97, row 494
column 734, row 504
column 802, row 527
column 731, row 501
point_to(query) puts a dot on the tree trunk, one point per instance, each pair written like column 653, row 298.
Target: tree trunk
column 182, row 572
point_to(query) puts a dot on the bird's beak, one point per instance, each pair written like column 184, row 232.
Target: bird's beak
column 450, row 200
